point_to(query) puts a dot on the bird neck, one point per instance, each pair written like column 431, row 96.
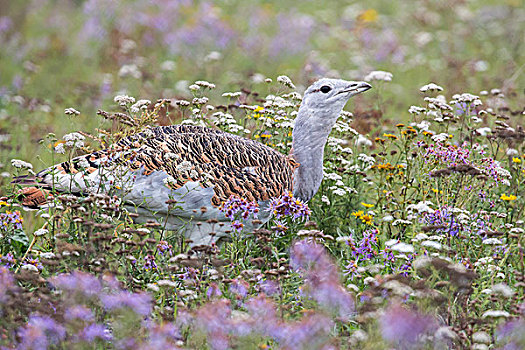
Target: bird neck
column 309, row 136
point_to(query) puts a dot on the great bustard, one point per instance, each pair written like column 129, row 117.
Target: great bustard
column 200, row 168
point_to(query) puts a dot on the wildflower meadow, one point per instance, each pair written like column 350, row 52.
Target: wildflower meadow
column 415, row 239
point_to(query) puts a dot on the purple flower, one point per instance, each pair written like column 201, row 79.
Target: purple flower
column 404, row 327
column 79, row 312
column 512, row 334
column 40, row 332
column 149, row 262
column 6, row 283
column 213, row 291
column 287, row 205
column 139, row 303
column 78, row 282
column 322, row 278
column 8, row 260
column 240, row 288
column 93, row 331
column 444, row 220
column 11, row 220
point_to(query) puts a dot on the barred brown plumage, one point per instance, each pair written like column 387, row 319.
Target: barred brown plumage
column 198, row 167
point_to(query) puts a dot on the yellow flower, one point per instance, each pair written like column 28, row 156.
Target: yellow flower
column 504, row 197
column 257, row 110
column 4, row 203
column 367, row 219
column 358, row 214
column 391, row 136
column 369, row 15
column 516, row 160
column 366, row 205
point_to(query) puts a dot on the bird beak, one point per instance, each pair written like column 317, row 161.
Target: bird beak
column 357, row 88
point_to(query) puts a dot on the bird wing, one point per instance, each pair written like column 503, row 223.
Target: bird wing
column 171, row 158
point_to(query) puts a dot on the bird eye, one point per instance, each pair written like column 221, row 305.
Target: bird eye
column 325, row 89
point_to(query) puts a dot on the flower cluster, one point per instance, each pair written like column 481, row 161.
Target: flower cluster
column 287, row 205
column 237, row 209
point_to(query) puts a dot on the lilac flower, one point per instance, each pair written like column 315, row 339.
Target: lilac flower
column 93, row 331
column 213, row 291
column 6, row 283
column 79, row 283
column 311, row 332
column 34, row 261
column 287, row 205
column 8, row 260
column 322, row 278
column 10, row 220
column 163, row 336
column 236, row 206
column 164, row 248
column 512, row 334
column 444, row 220
column 404, row 327
column 140, row 303
column 79, row 312
column 40, row 332
column 240, row 288
column 214, row 320
column 149, row 263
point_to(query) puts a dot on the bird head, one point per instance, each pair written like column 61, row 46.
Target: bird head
column 331, row 95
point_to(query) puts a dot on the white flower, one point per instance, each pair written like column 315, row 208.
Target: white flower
column 430, row 87
column 168, row 65
column 481, row 337
column 421, row 207
column 170, row 181
column 366, row 158
column 483, row 131
column 124, row 100
column 286, row 81
column 440, row 137
column 153, row 287
column 363, row 141
column 130, row 70
column 401, row 222
column 166, row 283
column 205, row 84
column 402, row 248
column 20, row 164
column 495, row 314
column 339, row 192
column 29, row 267
column 379, row 75
column 83, row 163
column 491, row 241
column 388, row 218
column 416, row 110
column 71, row 111
column 511, row 152
column 140, row 104
column 325, row 199
column 47, row 255
column 60, row 148
column 232, row 94
column 503, row 289
column 74, row 139
column 213, row 56
column 432, row 244
column 194, row 87
column 40, row 232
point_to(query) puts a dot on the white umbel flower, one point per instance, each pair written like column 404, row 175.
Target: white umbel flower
column 430, row 87
column 379, row 75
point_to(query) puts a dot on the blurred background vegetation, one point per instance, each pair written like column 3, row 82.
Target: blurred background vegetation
column 81, row 53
